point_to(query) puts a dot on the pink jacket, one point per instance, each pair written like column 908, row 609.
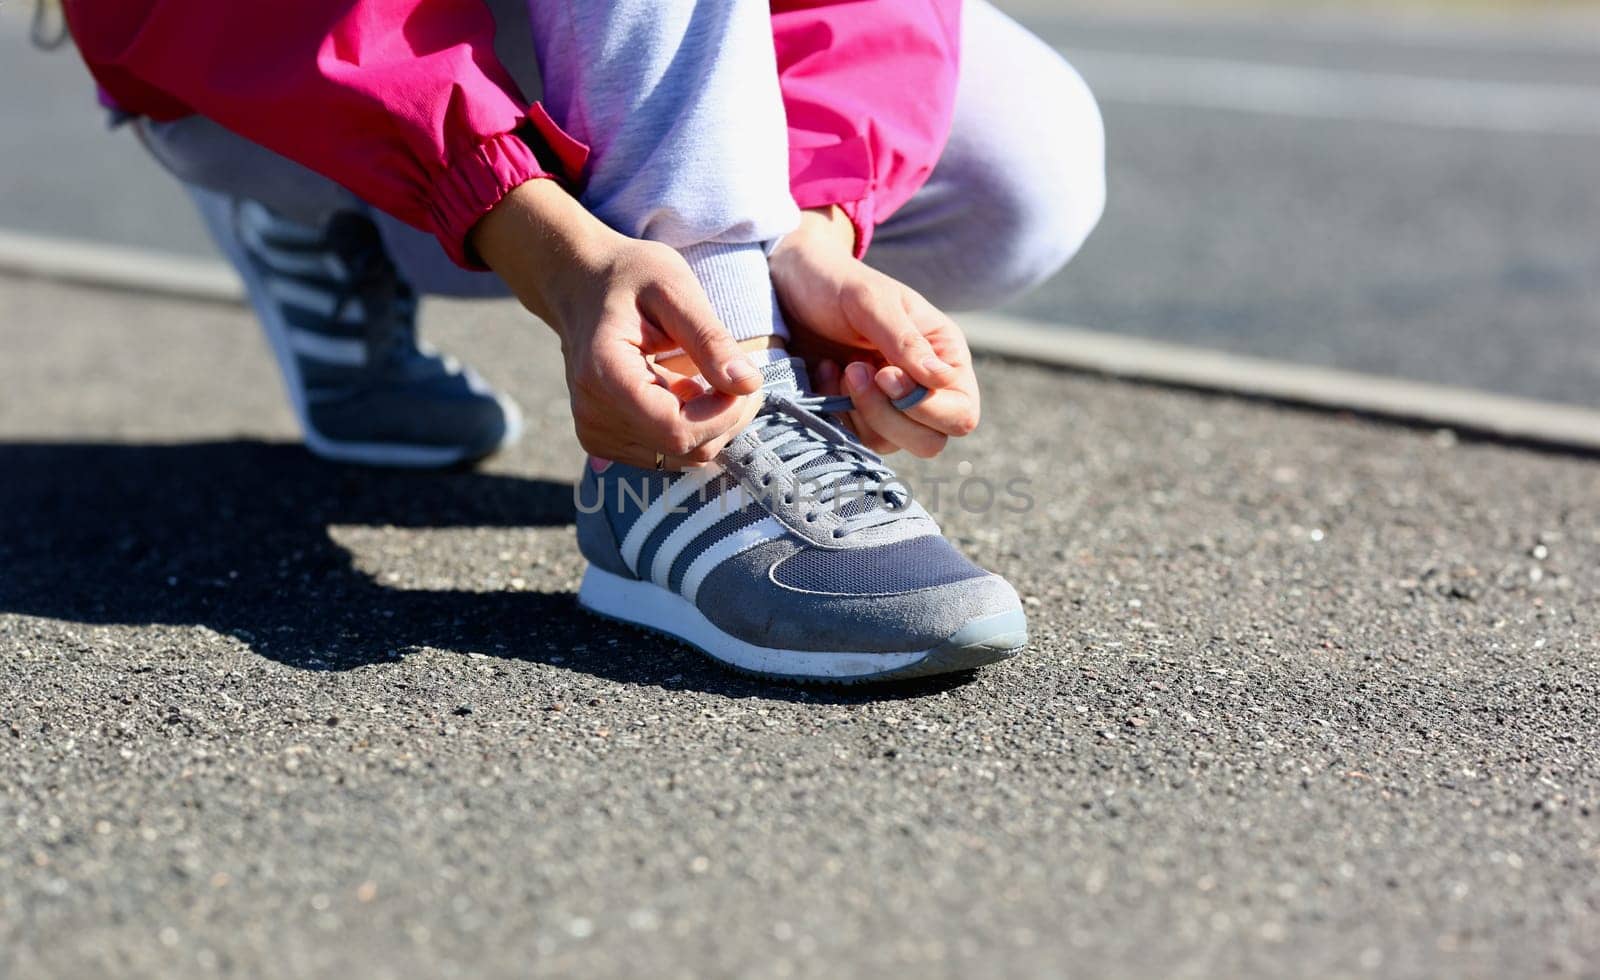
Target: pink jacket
column 404, row 103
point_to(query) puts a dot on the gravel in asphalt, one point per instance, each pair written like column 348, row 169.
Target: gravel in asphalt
column 1307, row 695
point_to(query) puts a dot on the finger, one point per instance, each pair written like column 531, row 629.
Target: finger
column 644, row 458
column 870, row 437
column 652, row 414
column 684, row 314
column 679, row 428
column 885, row 320
column 830, row 382
column 827, row 379
column 942, row 333
column 874, row 407
column 685, row 387
column 951, row 411
column 707, row 451
column 902, row 389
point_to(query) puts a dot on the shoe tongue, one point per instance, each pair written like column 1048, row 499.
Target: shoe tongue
column 788, row 375
column 785, row 374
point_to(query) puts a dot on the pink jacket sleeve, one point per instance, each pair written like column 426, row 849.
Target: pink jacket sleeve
column 401, row 101
column 869, row 87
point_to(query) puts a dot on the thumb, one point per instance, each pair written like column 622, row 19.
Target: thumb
column 683, row 313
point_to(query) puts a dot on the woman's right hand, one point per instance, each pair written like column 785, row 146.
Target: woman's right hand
column 614, row 301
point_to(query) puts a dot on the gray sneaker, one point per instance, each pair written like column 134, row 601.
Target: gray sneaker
column 342, row 324
column 795, row 555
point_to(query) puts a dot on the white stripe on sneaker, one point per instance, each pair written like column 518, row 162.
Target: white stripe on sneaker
column 314, row 300
column 314, row 261
column 737, row 543
column 695, row 525
column 663, row 507
column 328, row 350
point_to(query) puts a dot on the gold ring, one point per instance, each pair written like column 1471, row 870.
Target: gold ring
column 661, row 461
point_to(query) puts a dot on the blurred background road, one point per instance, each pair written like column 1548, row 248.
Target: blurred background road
column 1403, row 191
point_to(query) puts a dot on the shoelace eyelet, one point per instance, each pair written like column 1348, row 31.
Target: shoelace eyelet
column 801, row 442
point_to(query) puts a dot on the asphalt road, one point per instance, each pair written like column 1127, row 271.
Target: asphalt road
column 1465, row 256
column 1306, row 696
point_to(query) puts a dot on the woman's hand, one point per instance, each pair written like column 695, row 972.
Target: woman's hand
column 614, row 301
column 875, row 339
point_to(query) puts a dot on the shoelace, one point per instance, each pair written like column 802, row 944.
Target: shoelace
column 388, row 305
column 837, row 470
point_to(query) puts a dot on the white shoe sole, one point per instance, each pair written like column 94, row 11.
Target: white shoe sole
column 981, row 641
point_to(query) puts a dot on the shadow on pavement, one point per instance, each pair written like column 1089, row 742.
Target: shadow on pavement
column 234, row 536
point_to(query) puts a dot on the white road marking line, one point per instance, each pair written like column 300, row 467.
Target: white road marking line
column 118, row 267
column 1466, row 409
column 1322, row 93
column 1558, row 34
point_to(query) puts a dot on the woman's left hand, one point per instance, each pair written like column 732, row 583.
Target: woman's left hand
column 869, row 336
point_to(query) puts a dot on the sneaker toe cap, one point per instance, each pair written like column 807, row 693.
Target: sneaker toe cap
column 976, row 611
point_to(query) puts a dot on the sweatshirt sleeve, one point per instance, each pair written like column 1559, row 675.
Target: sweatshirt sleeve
column 401, row 101
column 869, row 88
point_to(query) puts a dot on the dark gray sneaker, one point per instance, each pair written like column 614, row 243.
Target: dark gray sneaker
column 795, row 555
column 342, row 323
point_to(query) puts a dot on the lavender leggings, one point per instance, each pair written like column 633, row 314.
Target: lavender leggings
column 1018, row 189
